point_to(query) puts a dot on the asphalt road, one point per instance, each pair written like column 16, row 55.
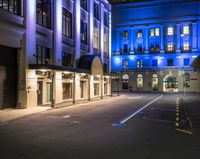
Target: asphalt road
column 132, row 126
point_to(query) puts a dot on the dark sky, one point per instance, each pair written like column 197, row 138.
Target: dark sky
column 125, row 1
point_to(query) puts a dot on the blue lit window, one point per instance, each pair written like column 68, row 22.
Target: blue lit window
column 186, row 46
column 186, row 62
column 155, row 63
column 170, row 62
column 139, row 33
column 125, row 64
column 139, row 64
column 170, row 31
column 125, row 50
column 157, row 32
column 186, row 30
column 170, row 46
column 152, row 32
column 125, row 34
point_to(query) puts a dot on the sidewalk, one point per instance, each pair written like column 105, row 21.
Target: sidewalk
column 11, row 114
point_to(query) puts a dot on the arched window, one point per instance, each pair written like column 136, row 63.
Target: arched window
column 155, row 82
column 125, row 81
column 139, row 80
column 186, row 80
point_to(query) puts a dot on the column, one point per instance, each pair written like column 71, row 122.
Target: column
column 91, row 25
column 147, row 39
column 178, row 38
column 102, row 31
column 162, row 33
column 117, row 40
column 77, row 18
column 194, row 37
column 58, row 32
column 110, row 38
column 74, row 88
column 131, row 40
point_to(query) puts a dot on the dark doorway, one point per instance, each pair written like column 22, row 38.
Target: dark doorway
column 40, row 92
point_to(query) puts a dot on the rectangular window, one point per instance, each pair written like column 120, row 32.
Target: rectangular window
column 13, row 6
column 84, row 4
column 96, row 38
column 67, row 91
column 157, row 32
column 125, row 48
column 44, row 13
column 139, row 33
column 125, row 34
column 170, row 31
column 67, row 23
column 96, row 89
column 186, row 62
column 186, row 30
column 48, row 93
column 125, row 64
column 139, row 64
column 83, row 33
column 96, row 10
column 152, row 32
column 67, row 59
column 186, row 46
column 105, row 41
column 42, row 55
column 170, row 46
column 155, row 63
column 105, row 18
column 170, row 62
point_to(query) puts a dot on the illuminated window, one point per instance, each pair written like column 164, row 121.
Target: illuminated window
column 67, row 23
column 170, row 31
column 186, row 30
column 105, row 39
column 125, row 34
column 139, row 80
column 139, row 64
column 186, row 46
column 13, row 6
column 96, row 38
column 44, row 13
column 139, row 33
column 157, row 32
column 170, row 46
column 83, row 32
column 125, row 64
column 152, row 32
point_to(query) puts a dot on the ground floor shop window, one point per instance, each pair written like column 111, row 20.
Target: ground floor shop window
column 125, row 83
column 186, row 79
column 105, row 88
column 155, row 81
column 96, row 89
column 139, row 81
column 67, row 91
column 49, row 93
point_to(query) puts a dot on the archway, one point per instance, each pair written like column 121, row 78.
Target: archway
column 155, row 82
column 170, row 84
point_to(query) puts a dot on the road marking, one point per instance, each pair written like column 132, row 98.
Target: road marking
column 124, row 120
column 159, row 120
column 185, row 131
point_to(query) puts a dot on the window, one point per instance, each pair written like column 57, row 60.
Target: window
column 170, row 62
column 155, row 82
column 105, row 18
column 96, row 38
column 186, row 46
column 125, row 34
column 42, row 55
column 139, row 49
column 44, row 13
column 139, row 64
column 157, row 32
column 152, row 32
column 186, row 30
column 157, row 48
column 67, row 59
column 170, row 46
column 151, row 48
column 155, row 63
column 83, row 32
column 170, row 31
column 13, row 6
column 139, row 80
column 84, row 4
column 96, row 10
column 125, row 64
column 67, row 90
column 67, row 23
column 96, row 89
column 125, row 48
column 105, row 39
column 186, row 62
column 125, row 83
column 48, row 92
column 139, row 33
column 186, row 79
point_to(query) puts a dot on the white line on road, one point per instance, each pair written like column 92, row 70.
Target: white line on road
column 134, row 113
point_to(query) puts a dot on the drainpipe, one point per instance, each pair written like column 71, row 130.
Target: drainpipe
column 74, row 88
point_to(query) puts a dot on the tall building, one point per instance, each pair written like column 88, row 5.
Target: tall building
column 154, row 44
column 53, row 51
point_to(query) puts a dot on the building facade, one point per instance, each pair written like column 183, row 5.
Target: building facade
column 54, row 51
column 154, row 44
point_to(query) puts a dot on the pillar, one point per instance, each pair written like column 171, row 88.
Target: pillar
column 162, row 33
column 102, row 30
column 91, row 26
column 194, row 37
column 146, row 39
column 178, row 38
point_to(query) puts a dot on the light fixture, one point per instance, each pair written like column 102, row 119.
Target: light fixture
column 43, row 70
column 66, row 72
column 83, row 74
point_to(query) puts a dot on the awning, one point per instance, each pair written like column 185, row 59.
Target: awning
column 196, row 63
column 92, row 63
column 57, row 68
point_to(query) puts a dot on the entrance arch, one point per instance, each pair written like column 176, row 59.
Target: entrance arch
column 170, row 84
